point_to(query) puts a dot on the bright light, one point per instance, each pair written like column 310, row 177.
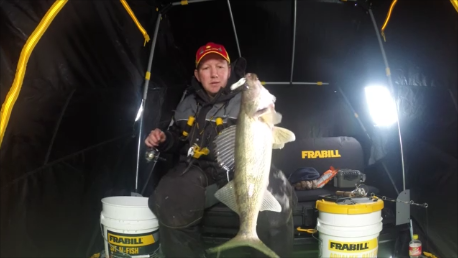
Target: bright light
column 139, row 113
column 381, row 105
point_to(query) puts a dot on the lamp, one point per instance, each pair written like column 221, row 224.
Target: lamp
column 382, row 106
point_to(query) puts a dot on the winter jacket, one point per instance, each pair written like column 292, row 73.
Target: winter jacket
column 205, row 110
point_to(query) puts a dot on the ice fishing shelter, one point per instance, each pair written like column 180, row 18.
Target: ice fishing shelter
column 71, row 137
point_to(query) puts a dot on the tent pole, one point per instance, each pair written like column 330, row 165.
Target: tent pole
column 354, row 113
column 310, row 83
column 233, row 26
column 390, row 82
column 294, row 42
column 145, row 92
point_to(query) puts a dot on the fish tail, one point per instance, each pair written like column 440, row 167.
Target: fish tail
column 241, row 240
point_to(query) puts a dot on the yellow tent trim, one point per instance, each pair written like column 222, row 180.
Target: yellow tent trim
column 32, row 41
column 387, row 19
column 455, row 4
column 132, row 15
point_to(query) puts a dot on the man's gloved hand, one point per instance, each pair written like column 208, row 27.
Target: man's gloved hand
column 238, row 70
column 155, row 138
column 239, row 67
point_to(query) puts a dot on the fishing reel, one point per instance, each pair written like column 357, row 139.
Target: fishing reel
column 152, row 154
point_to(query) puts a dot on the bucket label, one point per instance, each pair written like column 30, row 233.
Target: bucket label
column 361, row 249
column 122, row 245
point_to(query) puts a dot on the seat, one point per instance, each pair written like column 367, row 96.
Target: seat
column 319, row 153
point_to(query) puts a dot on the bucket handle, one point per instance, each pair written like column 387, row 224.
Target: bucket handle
column 106, row 240
column 320, row 242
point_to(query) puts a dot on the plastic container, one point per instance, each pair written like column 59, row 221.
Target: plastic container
column 129, row 227
column 415, row 247
column 349, row 230
column 326, row 177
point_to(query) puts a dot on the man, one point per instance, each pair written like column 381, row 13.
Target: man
column 185, row 192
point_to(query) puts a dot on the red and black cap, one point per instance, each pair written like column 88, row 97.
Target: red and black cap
column 211, row 47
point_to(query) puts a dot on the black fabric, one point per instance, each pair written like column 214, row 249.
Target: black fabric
column 179, row 201
column 312, row 195
column 220, row 219
column 303, row 174
column 289, row 159
column 181, row 242
column 276, row 233
column 70, row 139
column 93, row 57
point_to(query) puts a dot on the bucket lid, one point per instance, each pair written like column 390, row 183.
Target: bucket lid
column 126, row 201
column 356, row 208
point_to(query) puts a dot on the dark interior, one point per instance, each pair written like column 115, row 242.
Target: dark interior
column 71, row 135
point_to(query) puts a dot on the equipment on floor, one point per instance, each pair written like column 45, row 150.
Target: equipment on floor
column 129, row 228
column 348, row 178
column 349, row 227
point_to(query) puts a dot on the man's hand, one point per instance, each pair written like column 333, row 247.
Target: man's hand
column 155, row 138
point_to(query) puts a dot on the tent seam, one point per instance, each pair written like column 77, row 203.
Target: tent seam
column 56, row 129
column 27, row 174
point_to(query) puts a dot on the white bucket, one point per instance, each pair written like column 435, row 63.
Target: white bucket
column 129, row 227
column 349, row 230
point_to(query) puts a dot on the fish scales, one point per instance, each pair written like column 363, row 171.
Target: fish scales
column 250, row 156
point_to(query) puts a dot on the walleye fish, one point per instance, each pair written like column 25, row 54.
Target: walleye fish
column 247, row 148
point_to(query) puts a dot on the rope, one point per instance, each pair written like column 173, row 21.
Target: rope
column 387, row 19
column 134, row 19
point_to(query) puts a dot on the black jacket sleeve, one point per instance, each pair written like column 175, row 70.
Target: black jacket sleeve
column 172, row 142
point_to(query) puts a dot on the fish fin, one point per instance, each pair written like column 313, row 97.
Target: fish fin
column 278, row 146
column 226, row 195
column 276, row 118
column 282, row 136
column 271, row 117
column 225, row 147
column 269, row 203
column 244, row 240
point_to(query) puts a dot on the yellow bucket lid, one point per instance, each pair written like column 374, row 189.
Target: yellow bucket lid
column 358, row 208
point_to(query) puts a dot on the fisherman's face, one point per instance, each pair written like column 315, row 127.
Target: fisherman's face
column 213, row 73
